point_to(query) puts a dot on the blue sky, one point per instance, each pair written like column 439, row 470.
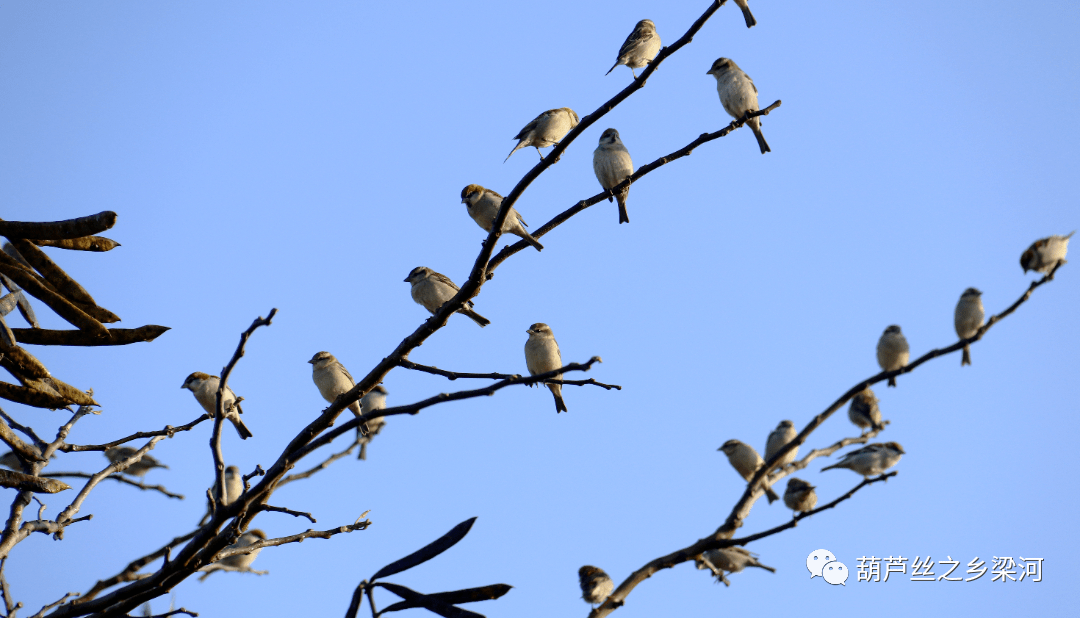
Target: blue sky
column 306, row 156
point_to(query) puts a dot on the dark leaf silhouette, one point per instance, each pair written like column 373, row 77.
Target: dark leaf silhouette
column 469, row 595
column 428, row 551
column 429, row 603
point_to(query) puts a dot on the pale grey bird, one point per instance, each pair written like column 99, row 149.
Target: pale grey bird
column 234, row 487
column 734, row 559
column 11, row 460
column 483, row 204
column 746, row 462
column 432, row 290
column 545, row 130
column 542, row 355
column 333, row 380
column 612, row 165
column 639, row 49
column 893, row 351
column 205, row 387
column 870, row 460
column 596, row 586
column 968, row 319
column 747, row 15
column 785, row 432
column 800, row 495
column 864, row 411
column 244, row 561
column 738, row 95
column 147, row 463
column 374, row 400
column 1044, row 254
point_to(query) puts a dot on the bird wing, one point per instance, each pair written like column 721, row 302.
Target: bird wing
column 636, row 37
column 532, row 125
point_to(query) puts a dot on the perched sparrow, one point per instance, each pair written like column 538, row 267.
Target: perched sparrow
column 205, row 389
column 1043, row 255
column 746, row 462
column 734, row 559
column 234, row 484
column 968, row 319
column 747, row 15
column 139, row 468
column 738, row 95
column 892, row 351
column 639, row 48
column 595, row 584
column 542, row 355
column 11, row 460
column 333, row 380
column 243, row 561
column 612, row 165
column 432, row 290
column 545, row 130
column 778, row 439
column 864, row 411
column 870, row 460
column 374, row 400
column 483, row 204
column 800, row 496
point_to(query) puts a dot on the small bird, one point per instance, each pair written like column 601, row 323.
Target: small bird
column 864, row 411
column 800, row 496
column 205, row 387
column 968, row 319
column 746, row 462
column 870, row 460
column 243, row 561
column 234, row 487
column 374, row 400
column 778, row 439
column 596, row 586
column 545, row 130
column 432, row 290
column 747, row 15
column 542, row 355
column 1043, row 255
column 734, row 559
column 639, row 49
column 612, row 165
column 483, row 204
column 147, row 463
column 738, row 95
column 333, row 380
column 11, row 460
column 892, row 351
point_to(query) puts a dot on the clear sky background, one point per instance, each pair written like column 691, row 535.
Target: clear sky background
column 306, row 156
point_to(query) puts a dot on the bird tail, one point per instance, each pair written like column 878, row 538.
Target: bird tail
column 623, row 217
column 966, row 360
column 771, row 495
column 836, row 465
column 476, row 317
column 762, row 144
column 560, row 405
column 762, row 566
column 241, row 428
column 612, row 68
column 514, row 150
column 748, row 16
column 532, row 241
column 892, row 381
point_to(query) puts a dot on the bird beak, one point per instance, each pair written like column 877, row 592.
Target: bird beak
column 462, row 200
column 406, row 279
column 184, row 385
column 311, row 362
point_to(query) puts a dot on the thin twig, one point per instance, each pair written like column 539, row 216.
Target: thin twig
column 296, row 538
column 118, row 478
column 452, row 375
column 131, row 571
column 281, row 509
column 322, row 466
column 54, row 604
column 169, row 431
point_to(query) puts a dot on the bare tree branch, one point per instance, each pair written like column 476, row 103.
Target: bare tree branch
column 9, row 605
column 322, row 466
column 281, row 509
column 451, row 375
column 54, row 604
column 295, row 538
column 131, row 571
column 29, row 482
column 118, row 478
column 169, row 431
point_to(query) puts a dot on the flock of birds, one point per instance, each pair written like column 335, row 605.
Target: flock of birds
column 612, row 165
